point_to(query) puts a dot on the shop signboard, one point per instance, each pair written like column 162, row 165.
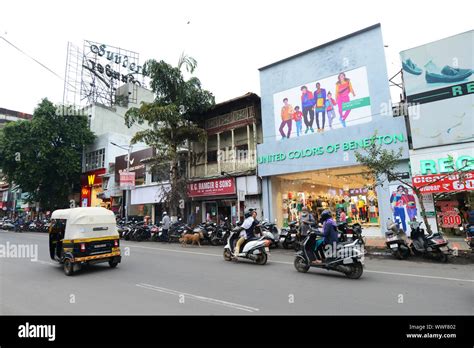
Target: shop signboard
column 444, row 182
column 448, row 169
column 439, row 85
column 212, row 187
column 135, row 164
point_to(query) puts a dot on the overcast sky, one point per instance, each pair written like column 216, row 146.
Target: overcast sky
column 230, row 39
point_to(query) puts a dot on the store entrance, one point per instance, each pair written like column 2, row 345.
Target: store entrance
column 345, row 191
column 453, row 211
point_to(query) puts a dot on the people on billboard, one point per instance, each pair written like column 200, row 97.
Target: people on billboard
column 330, row 103
column 307, row 103
column 298, row 118
column 343, row 89
column 397, row 205
column 410, row 204
column 320, row 106
column 286, row 118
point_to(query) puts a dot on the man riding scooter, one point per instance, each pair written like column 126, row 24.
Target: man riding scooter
column 248, row 230
column 329, row 235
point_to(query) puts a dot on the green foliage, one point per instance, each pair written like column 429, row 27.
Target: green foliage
column 43, row 156
column 169, row 117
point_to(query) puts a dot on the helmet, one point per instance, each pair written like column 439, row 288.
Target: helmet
column 325, row 215
column 165, row 213
column 249, row 212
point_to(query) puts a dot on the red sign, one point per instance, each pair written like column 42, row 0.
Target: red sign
column 127, row 180
column 213, row 187
column 449, row 215
column 92, row 178
column 444, row 182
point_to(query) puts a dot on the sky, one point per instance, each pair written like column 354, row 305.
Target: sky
column 230, row 39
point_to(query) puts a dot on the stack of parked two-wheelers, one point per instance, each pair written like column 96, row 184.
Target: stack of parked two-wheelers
column 470, row 235
column 434, row 246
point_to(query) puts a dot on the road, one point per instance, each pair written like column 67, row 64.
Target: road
column 167, row 279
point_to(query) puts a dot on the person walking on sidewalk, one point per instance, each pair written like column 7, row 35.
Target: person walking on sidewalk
column 165, row 223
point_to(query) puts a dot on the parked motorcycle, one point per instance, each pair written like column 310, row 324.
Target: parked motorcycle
column 396, row 240
column 273, row 230
column 434, row 246
column 255, row 249
column 288, row 236
column 347, row 259
column 470, row 236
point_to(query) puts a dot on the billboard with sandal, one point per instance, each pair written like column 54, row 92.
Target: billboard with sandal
column 439, row 86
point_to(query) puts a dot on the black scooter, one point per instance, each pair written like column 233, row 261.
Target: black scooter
column 288, row 236
column 396, row 241
column 347, row 258
column 434, row 246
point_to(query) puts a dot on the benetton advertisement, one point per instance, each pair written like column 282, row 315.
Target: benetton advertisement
column 296, row 154
column 337, row 101
column 212, row 187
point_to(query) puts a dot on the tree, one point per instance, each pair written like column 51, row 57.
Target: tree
column 382, row 165
column 170, row 117
column 43, row 156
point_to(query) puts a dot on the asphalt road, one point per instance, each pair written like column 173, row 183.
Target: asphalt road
column 167, row 279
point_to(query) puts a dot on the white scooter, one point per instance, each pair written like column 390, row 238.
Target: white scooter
column 253, row 249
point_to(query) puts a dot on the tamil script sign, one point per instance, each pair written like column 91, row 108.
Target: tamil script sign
column 127, row 180
column 213, row 187
column 444, row 183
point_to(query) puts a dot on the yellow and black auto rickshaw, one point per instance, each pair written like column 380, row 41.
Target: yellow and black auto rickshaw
column 80, row 236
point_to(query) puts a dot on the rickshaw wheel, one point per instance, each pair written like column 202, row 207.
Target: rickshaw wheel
column 113, row 264
column 68, row 267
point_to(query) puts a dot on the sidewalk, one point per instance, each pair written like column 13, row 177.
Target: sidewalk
column 379, row 243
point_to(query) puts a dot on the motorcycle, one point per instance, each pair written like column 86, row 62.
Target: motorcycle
column 255, row 249
column 470, row 236
column 434, row 246
column 208, row 230
column 272, row 229
column 396, row 241
column 350, row 233
column 288, row 236
column 347, row 259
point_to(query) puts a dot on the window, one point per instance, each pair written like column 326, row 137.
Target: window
column 95, row 160
column 212, row 156
column 241, row 152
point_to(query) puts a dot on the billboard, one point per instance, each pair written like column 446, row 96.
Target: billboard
column 135, row 164
column 337, row 101
column 212, row 187
column 439, row 85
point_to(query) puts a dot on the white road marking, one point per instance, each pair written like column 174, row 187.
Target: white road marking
column 199, row 298
column 420, row 276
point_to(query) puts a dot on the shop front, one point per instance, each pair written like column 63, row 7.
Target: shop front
column 148, row 200
column 214, row 200
column 315, row 117
column 91, row 188
column 447, row 174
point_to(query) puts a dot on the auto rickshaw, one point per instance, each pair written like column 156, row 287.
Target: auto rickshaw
column 81, row 236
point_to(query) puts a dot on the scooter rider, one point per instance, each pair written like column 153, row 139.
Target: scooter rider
column 248, row 230
column 329, row 234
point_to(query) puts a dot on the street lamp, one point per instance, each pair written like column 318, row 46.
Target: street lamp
column 129, row 149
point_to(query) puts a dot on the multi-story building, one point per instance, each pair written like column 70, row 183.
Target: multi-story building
column 98, row 183
column 439, row 89
column 223, row 170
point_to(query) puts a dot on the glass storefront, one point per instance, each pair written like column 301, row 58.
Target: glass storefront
column 453, row 210
column 340, row 190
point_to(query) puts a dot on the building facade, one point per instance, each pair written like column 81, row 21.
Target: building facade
column 318, row 108
column 98, row 182
column 439, row 88
column 222, row 171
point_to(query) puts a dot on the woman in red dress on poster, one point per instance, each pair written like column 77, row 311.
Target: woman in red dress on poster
column 343, row 89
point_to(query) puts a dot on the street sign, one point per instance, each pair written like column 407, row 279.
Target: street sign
column 127, row 180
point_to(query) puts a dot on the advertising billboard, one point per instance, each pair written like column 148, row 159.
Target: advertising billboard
column 213, row 187
column 439, row 85
column 337, row 101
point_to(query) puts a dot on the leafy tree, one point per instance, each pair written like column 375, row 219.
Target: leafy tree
column 382, row 165
column 43, row 156
column 170, row 117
